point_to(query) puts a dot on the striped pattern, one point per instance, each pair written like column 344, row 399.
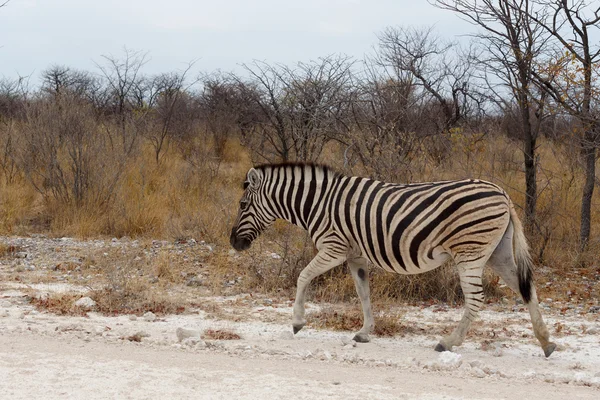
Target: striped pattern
column 406, row 229
column 402, row 228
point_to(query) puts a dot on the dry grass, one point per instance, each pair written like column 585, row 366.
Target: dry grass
column 352, row 320
column 60, row 304
column 220, row 334
column 8, row 250
column 192, row 194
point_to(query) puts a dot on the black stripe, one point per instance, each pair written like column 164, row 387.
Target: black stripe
column 284, row 184
column 298, row 199
column 405, row 222
column 464, row 214
column 473, row 233
column 276, row 201
column 289, row 201
column 358, row 210
column 444, row 215
column 323, row 193
column 368, row 218
column 379, row 225
column 470, row 224
column 338, row 200
column 399, row 203
column 310, row 196
column 468, row 242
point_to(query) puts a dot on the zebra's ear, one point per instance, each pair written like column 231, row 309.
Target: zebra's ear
column 253, row 178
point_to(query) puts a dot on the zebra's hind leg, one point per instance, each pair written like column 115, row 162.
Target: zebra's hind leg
column 503, row 263
column 321, row 263
column 360, row 273
column 470, row 280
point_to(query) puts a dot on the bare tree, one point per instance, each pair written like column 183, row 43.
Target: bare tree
column 436, row 67
column 570, row 78
column 123, row 76
column 316, row 99
column 60, row 80
column 301, row 107
column 169, row 100
column 13, row 96
column 385, row 111
column 226, row 110
column 514, row 43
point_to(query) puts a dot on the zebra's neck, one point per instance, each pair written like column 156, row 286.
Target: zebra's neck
column 298, row 192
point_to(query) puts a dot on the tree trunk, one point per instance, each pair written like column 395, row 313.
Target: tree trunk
column 530, row 182
column 589, row 158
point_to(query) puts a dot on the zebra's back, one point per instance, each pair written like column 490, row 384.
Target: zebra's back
column 414, row 228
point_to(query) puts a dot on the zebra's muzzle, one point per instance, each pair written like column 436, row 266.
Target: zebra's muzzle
column 237, row 243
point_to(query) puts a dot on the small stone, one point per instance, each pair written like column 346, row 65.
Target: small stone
column 349, row 346
column 133, row 317
column 450, row 359
column 149, row 316
column 183, row 334
column 85, row 303
column 594, row 309
column 4, row 313
column 478, row 372
column 592, row 331
column 21, row 254
column 30, row 267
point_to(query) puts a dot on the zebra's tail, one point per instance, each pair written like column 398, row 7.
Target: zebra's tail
column 522, row 256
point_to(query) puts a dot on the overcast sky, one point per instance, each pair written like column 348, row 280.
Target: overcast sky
column 220, row 34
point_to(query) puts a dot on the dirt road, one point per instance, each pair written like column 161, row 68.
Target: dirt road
column 93, row 356
column 46, row 367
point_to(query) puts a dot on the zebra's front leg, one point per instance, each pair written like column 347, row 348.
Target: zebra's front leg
column 472, row 287
column 323, row 262
column 360, row 273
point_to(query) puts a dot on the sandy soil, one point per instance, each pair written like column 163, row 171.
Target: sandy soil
column 127, row 357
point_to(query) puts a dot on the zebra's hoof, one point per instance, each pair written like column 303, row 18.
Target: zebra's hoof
column 549, row 349
column 361, row 338
column 441, row 347
column 297, row 328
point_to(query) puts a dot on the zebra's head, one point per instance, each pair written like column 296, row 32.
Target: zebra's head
column 253, row 215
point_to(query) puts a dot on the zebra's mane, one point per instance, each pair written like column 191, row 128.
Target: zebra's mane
column 326, row 169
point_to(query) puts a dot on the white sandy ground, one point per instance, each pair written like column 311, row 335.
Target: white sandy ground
column 45, row 356
column 56, row 357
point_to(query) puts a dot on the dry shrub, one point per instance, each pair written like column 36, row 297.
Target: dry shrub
column 220, row 334
column 439, row 285
column 345, row 320
column 7, row 250
column 61, row 304
column 17, row 205
column 128, row 290
column 165, row 268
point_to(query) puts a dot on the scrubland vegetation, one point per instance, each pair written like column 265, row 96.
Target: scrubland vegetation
column 115, row 152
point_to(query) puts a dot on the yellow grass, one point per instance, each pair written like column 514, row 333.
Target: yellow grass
column 178, row 198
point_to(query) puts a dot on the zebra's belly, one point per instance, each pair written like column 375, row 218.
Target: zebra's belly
column 406, row 266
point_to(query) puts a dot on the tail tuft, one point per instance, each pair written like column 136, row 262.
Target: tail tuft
column 522, row 257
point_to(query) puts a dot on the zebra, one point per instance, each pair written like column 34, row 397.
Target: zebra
column 403, row 228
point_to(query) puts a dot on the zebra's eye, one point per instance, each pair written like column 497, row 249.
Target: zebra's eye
column 244, row 205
